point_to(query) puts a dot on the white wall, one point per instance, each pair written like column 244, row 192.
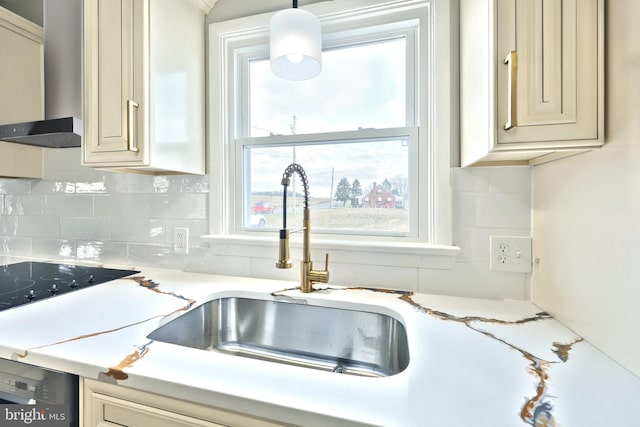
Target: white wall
column 586, row 212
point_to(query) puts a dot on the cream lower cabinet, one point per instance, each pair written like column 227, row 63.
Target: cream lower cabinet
column 144, row 85
column 107, row 405
column 532, row 79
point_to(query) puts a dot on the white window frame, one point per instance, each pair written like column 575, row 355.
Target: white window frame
column 432, row 247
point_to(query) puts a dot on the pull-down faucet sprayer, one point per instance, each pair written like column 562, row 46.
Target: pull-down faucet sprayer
column 307, row 274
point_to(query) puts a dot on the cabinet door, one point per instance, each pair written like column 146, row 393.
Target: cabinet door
column 21, row 69
column 547, row 52
column 109, row 405
column 109, row 411
column 114, row 93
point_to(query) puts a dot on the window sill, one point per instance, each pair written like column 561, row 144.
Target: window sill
column 416, row 255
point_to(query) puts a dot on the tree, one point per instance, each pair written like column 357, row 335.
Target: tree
column 343, row 191
column 356, row 191
column 386, row 185
column 356, row 188
column 400, row 185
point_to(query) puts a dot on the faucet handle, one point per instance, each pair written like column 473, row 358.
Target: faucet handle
column 321, row 276
column 326, row 262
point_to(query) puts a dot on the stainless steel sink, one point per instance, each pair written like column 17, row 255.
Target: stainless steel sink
column 333, row 339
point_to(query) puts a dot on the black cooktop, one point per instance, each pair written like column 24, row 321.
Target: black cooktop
column 28, row 282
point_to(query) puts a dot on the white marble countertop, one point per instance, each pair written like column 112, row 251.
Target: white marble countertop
column 472, row 362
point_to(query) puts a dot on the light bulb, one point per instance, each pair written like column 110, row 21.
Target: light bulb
column 295, row 58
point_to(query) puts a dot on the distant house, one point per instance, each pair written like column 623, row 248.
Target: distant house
column 380, row 197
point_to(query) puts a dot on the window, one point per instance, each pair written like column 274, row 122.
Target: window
column 365, row 130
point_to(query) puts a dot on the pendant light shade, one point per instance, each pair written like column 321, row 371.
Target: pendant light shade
column 295, row 44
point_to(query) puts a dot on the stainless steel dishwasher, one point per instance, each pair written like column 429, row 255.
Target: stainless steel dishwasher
column 34, row 396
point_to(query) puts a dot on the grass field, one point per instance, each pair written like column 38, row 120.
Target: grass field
column 336, row 217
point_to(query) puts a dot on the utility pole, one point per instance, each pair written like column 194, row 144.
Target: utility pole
column 292, row 126
column 331, row 193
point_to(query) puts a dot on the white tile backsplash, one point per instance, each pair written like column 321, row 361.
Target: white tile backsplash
column 24, row 204
column 37, row 226
column 94, row 228
column 8, row 226
column 78, row 213
column 69, row 205
column 509, row 179
column 486, row 202
column 15, row 186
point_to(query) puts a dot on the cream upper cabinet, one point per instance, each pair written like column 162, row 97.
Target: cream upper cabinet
column 21, row 91
column 144, row 90
column 532, row 79
column 21, row 69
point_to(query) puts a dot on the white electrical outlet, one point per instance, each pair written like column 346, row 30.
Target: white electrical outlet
column 510, row 253
column 181, row 240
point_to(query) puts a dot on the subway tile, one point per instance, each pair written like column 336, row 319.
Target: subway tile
column 161, row 256
column 200, row 260
column 90, row 187
column 162, row 206
column 24, row 204
column 511, row 179
column 102, row 252
column 166, row 184
column 474, row 281
column 8, row 225
column 85, row 228
column 504, row 211
column 15, row 186
column 492, row 210
column 131, row 183
column 135, row 230
column 53, row 187
column 64, row 249
column 38, row 226
column 470, row 180
column 15, row 246
column 195, row 184
column 90, row 251
column 386, row 277
column 69, row 205
column 465, row 210
column 87, row 174
column 190, row 206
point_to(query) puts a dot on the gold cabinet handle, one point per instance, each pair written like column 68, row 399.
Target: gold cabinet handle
column 512, row 89
column 131, row 146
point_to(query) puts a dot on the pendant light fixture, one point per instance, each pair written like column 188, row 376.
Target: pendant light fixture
column 295, row 43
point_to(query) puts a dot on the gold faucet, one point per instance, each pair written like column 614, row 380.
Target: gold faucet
column 307, row 274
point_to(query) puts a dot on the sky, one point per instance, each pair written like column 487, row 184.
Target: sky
column 359, row 87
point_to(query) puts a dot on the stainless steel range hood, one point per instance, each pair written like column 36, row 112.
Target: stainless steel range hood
column 53, row 133
column 62, row 126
